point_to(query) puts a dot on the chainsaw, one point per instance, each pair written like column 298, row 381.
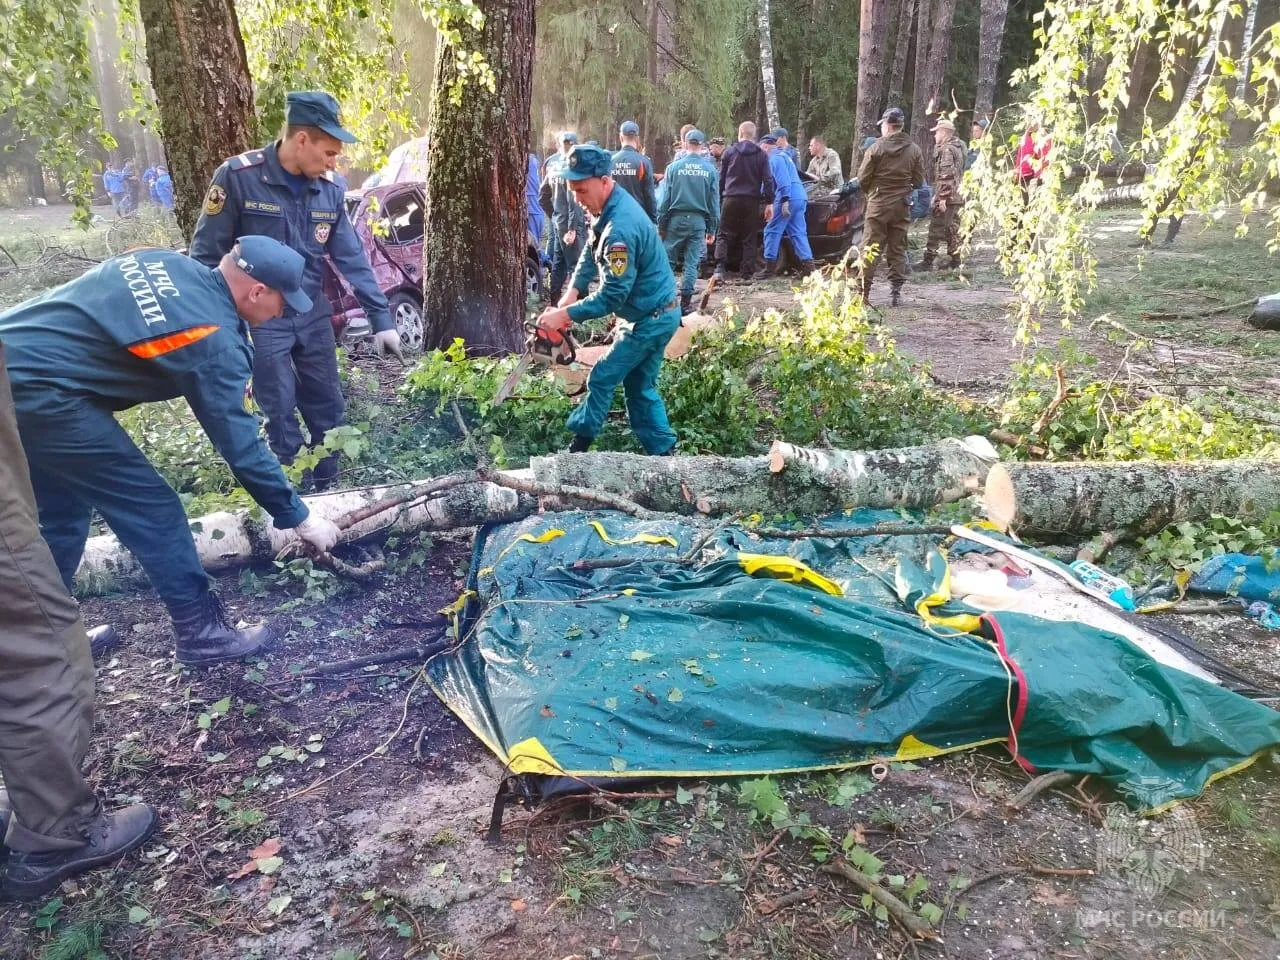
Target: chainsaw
column 542, row 347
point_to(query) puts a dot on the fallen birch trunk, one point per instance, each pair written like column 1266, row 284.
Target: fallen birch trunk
column 227, row 540
column 1080, row 499
column 790, row 480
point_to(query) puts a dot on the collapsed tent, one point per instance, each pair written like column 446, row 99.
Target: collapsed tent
column 597, row 647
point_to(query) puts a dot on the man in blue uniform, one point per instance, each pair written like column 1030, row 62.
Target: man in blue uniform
column 690, row 213
column 635, row 282
column 535, row 218
column 152, row 325
column 288, row 191
column 568, row 224
column 780, row 135
column 632, row 170
column 786, row 215
column 164, row 188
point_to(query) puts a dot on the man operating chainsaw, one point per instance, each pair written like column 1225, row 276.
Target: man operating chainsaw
column 626, row 256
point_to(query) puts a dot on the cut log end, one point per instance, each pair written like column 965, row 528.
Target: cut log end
column 999, row 499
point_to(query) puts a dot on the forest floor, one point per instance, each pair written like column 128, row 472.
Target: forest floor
column 346, row 817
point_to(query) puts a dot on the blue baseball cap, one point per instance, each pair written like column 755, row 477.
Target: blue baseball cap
column 567, row 136
column 695, row 136
column 270, row 262
column 778, row 133
column 768, row 138
column 894, row 115
column 629, row 128
column 315, row 108
column 587, row 161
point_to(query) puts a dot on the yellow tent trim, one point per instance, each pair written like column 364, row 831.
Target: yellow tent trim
column 963, row 622
column 912, row 748
column 530, row 756
column 788, row 569
column 454, row 610
column 649, row 538
column 544, row 537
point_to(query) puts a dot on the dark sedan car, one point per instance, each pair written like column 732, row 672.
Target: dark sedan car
column 833, row 221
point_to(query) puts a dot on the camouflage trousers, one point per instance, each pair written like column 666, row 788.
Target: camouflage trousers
column 944, row 225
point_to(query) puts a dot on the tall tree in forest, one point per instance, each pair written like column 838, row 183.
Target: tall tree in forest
column 924, row 27
column 203, row 90
column 1246, row 45
column 476, row 167
column 928, row 102
column 811, row 44
column 767, row 77
column 1201, row 72
column 990, row 40
column 902, row 43
column 873, row 36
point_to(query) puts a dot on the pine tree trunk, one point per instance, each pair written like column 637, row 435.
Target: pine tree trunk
column 919, row 81
column 990, row 41
column 806, row 81
column 1085, row 498
column 1246, row 56
column 1138, row 78
column 902, row 45
column 104, row 54
column 203, row 92
column 475, row 217
column 873, row 37
column 766, row 65
column 939, row 45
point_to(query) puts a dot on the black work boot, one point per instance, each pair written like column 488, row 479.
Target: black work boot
column 205, row 637
column 102, row 638
column 807, row 267
column 580, row 443
column 895, row 294
column 953, row 263
column 109, row 837
column 686, row 304
column 770, row 269
column 927, row 262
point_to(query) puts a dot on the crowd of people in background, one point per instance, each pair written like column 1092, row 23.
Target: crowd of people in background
column 127, row 191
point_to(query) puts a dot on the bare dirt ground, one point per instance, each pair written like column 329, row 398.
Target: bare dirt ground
column 344, row 818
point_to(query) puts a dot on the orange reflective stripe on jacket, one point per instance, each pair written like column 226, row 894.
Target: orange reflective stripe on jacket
column 158, row 347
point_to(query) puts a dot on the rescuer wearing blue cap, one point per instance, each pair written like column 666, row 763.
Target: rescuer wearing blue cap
column 632, row 170
column 690, row 212
column 635, row 282
column 288, row 191
column 568, row 223
column 146, row 326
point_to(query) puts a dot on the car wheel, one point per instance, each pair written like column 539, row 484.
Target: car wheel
column 406, row 311
column 532, row 278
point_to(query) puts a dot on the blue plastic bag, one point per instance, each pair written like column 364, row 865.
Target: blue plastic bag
column 1238, row 575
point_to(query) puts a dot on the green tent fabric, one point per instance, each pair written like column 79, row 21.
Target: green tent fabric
column 646, row 666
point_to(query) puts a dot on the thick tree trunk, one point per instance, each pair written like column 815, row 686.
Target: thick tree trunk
column 475, row 230
column 990, row 41
column 791, row 479
column 203, row 91
column 1246, row 54
column 901, row 46
column 936, row 68
column 801, row 135
column 767, row 79
column 805, row 483
column 1079, row 499
column 919, row 80
column 873, row 37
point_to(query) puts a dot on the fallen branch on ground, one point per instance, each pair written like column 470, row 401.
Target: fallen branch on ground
column 900, row 911
column 421, row 651
column 766, row 907
column 1031, row 868
column 1038, row 786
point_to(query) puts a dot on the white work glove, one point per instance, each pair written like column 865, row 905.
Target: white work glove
column 387, row 343
column 786, row 209
column 318, row 532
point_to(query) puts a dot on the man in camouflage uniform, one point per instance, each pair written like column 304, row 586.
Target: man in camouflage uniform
column 891, row 169
column 948, row 171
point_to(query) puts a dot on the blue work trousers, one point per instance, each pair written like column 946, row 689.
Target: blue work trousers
column 564, row 259
column 685, row 239
column 295, row 368
column 82, row 460
column 792, row 227
column 633, row 361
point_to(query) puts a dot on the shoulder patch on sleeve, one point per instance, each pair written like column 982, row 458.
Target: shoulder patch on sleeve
column 250, row 158
column 618, row 257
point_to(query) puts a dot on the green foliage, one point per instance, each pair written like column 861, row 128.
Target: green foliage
column 47, row 90
column 77, row 941
column 1186, row 545
column 765, row 802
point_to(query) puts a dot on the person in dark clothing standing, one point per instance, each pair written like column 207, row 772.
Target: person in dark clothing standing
column 890, row 171
column 745, row 185
column 632, row 170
